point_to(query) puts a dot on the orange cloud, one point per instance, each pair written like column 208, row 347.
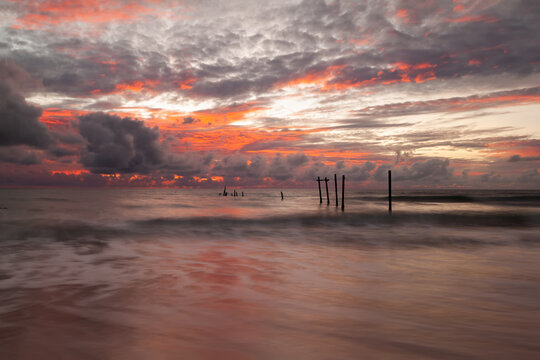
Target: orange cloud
column 54, row 117
column 137, row 86
column 506, row 149
column 134, row 86
column 403, row 14
column 359, row 42
column 477, row 18
column 187, row 83
column 328, row 79
column 233, row 138
column 320, row 77
column 459, row 8
column 228, row 114
column 70, row 172
column 52, row 12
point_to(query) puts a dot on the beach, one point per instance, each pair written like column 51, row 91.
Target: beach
column 182, row 273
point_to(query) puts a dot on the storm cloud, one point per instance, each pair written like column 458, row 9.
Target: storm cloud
column 119, row 145
column 19, row 121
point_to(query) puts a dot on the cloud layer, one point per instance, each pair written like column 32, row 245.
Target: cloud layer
column 195, row 93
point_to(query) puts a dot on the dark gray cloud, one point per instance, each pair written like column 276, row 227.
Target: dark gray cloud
column 360, row 172
column 20, row 155
column 189, row 163
column 19, row 121
column 119, row 145
column 516, row 158
column 434, row 169
column 491, row 178
column 531, row 176
column 59, row 151
column 190, row 120
column 257, row 167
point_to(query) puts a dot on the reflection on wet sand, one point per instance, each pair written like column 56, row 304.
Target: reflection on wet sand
column 276, row 300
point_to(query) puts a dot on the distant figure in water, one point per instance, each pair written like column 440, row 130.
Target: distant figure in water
column 282, row 196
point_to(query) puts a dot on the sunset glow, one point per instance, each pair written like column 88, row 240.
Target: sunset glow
column 187, row 93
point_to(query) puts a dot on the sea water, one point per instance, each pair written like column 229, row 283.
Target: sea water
column 188, row 274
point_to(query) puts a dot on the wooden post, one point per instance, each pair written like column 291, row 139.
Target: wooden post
column 320, row 195
column 389, row 190
column 343, row 193
column 225, row 191
column 327, row 196
column 282, row 196
column 335, row 183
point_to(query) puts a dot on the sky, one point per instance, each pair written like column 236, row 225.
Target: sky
column 207, row 93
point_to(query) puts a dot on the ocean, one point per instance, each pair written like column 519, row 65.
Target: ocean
column 187, row 274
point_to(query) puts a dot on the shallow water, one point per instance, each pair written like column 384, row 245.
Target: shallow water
column 168, row 274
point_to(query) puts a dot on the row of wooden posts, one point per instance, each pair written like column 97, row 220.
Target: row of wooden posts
column 326, row 180
column 336, row 187
column 343, row 190
column 235, row 193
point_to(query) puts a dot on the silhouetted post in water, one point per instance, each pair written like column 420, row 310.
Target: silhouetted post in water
column 343, row 193
column 335, row 183
column 225, row 191
column 327, row 196
column 282, row 196
column 389, row 190
column 242, row 194
column 320, row 194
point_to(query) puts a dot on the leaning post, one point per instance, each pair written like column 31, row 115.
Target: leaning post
column 327, row 196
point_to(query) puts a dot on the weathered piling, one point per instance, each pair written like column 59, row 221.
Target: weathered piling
column 242, row 194
column 282, row 196
column 335, row 183
column 389, row 190
column 327, row 196
column 320, row 194
column 225, row 191
column 343, row 192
